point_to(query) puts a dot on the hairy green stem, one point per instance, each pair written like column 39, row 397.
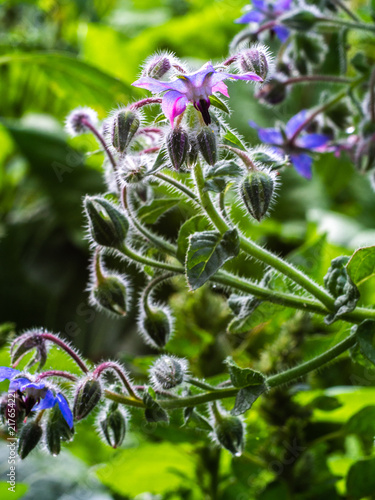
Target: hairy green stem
column 312, row 364
column 179, row 185
column 149, row 262
column 154, row 238
column 317, row 78
column 347, row 24
column 257, row 251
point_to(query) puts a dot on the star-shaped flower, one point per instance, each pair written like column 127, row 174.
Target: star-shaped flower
column 291, row 142
column 267, row 13
column 192, row 87
column 34, row 396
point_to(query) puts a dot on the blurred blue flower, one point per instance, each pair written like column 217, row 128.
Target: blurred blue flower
column 289, row 141
column 193, row 87
column 267, row 13
column 35, row 396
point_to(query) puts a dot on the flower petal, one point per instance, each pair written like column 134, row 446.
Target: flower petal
column 7, row 373
column 48, row 401
column 253, row 16
column 295, row 122
column 312, row 141
column 222, row 88
column 283, row 5
column 200, row 78
column 282, row 33
column 173, row 104
column 26, row 384
column 151, row 84
column 65, row 410
column 270, row 135
column 219, row 77
column 302, row 164
column 17, row 383
column 259, row 4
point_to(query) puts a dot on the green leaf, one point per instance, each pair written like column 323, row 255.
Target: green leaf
column 246, row 397
column 154, row 412
column 361, row 265
column 195, row 420
column 55, row 83
column 232, row 140
column 207, row 252
column 366, row 339
column 194, row 225
column 243, row 377
column 19, row 490
column 326, row 403
column 360, row 481
column 148, row 214
column 157, row 468
column 159, row 163
column 215, row 178
column 218, row 103
column 363, row 422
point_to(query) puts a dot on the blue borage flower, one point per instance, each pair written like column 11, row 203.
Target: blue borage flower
column 296, row 147
column 264, row 12
column 35, row 396
column 192, row 87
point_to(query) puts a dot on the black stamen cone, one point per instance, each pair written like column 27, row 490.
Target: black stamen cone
column 203, row 106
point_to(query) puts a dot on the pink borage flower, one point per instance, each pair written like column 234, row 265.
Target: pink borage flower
column 195, row 88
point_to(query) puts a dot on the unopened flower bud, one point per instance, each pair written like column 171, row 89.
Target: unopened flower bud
column 155, row 325
column 112, row 423
column 158, row 65
column 168, row 372
column 79, row 121
column 108, row 226
column 254, row 60
column 192, row 156
column 132, row 170
column 124, row 126
column 110, row 294
column 177, row 146
column 29, row 437
column 57, row 430
column 25, row 343
column 206, row 139
column 273, row 92
column 257, row 189
column 229, row 432
column 87, row 397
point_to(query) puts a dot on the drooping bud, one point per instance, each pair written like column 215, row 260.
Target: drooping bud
column 124, row 126
column 80, row 120
column 158, row 65
column 229, row 432
column 257, row 189
column 254, row 60
column 108, row 226
column 177, row 146
column 132, row 169
column 57, row 430
column 155, row 325
column 168, row 372
column 29, row 437
column 273, row 92
column 112, row 423
column 206, row 139
column 87, row 397
column 110, row 295
column 25, row 343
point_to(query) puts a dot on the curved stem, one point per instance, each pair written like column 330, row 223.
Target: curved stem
column 154, row 238
column 346, row 9
column 347, row 24
column 200, row 384
column 372, row 95
column 111, row 365
column 56, row 373
column 312, row 364
column 100, row 138
column 218, row 394
column 256, row 251
column 149, row 262
column 145, row 102
column 67, row 349
column 179, row 185
column 317, row 78
column 150, row 286
column 241, row 154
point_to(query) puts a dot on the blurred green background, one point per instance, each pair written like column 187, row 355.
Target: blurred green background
column 56, row 55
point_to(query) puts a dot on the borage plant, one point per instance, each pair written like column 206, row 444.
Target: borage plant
column 176, row 146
